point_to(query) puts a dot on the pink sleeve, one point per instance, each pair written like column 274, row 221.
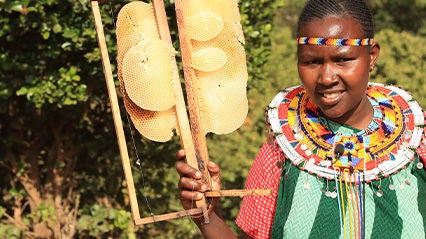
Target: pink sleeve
column 257, row 212
column 421, row 151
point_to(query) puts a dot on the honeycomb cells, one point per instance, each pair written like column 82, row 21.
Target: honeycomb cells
column 205, row 25
column 147, row 73
column 219, row 117
column 219, row 62
column 135, row 23
column 154, row 125
column 208, row 59
column 144, row 68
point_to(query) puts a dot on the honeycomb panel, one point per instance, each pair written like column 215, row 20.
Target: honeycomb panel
column 145, row 72
column 154, row 125
column 208, row 59
column 204, row 25
column 222, row 88
column 147, row 75
column 135, row 23
column 219, row 117
column 218, row 59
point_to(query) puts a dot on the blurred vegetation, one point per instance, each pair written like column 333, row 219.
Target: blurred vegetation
column 61, row 172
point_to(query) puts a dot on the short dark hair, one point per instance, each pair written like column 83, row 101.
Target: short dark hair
column 356, row 9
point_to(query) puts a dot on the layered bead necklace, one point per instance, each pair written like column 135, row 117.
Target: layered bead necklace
column 315, row 145
column 344, row 155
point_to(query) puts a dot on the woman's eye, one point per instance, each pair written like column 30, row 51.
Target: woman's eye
column 312, row 62
column 343, row 60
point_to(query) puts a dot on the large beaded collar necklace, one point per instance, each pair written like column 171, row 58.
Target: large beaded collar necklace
column 329, row 150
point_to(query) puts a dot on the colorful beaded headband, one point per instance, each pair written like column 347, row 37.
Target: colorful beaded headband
column 319, row 41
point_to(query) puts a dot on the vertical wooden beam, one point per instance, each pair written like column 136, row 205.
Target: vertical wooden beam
column 192, row 93
column 121, row 139
column 185, row 126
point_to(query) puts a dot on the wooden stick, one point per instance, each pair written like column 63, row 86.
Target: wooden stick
column 182, row 117
column 239, row 193
column 121, row 139
column 197, row 211
column 192, row 94
column 169, row 216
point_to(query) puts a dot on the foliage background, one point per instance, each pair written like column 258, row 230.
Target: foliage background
column 60, row 166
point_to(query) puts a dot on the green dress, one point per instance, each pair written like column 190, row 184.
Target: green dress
column 395, row 206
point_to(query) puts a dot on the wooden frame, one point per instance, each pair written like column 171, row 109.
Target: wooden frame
column 192, row 140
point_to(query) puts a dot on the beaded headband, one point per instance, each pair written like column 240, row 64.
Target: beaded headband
column 319, row 41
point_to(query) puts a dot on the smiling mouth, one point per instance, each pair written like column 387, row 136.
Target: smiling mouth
column 331, row 95
column 331, row 98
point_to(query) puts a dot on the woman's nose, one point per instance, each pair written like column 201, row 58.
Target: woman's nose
column 328, row 75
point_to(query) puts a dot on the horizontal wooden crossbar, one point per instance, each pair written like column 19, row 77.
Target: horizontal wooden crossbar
column 199, row 211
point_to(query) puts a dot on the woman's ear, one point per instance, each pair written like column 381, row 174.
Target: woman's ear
column 374, row 55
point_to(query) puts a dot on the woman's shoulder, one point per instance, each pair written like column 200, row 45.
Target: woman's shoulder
column 391, row 91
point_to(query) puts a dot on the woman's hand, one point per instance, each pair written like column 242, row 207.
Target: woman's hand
column 191, row 189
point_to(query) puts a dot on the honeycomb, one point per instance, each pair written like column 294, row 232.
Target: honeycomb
column 219, row 61
column 145, row 69
column 154, row 125
column 210, row 23
column 208, row 59
column 147, row 75
column 135, row 23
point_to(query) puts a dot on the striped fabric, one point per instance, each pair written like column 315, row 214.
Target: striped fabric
column 308, row 213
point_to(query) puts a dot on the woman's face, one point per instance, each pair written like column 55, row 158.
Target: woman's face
column 336, row 77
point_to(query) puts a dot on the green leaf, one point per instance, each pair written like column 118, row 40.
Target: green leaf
column 2, row 211
column 45, row 35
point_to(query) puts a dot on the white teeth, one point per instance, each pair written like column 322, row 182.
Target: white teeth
column 331, row 95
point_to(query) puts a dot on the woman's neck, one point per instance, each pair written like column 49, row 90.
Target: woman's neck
column 359, row 117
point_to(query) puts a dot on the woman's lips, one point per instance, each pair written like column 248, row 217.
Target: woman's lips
column 331, row 98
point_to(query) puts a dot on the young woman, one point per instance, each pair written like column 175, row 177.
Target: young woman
column 347, row 156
